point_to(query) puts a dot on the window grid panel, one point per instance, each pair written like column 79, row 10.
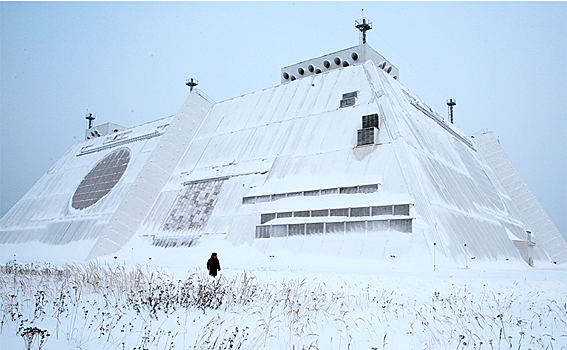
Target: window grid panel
column 339, row 212
column 356, row 226
column 378, row 225
column 335, row 227
column 362, row 211
column 319, row 213
column 315, row 229
column 382, row 210
column 296, row 229
column 279, row 231
column 402, row 209
column 267, row 217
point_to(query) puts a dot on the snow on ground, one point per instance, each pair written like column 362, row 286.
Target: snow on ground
column 269, row 298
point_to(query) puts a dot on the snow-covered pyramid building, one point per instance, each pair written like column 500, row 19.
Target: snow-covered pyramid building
column 339, row 149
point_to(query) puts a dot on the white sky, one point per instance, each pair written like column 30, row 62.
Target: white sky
column 504, row 62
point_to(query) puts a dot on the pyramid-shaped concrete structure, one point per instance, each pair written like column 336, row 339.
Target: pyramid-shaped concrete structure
column 339, row 149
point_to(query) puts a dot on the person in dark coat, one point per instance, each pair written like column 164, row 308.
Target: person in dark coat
column 213, row 265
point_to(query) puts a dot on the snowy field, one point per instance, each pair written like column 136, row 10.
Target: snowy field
column 277, row 300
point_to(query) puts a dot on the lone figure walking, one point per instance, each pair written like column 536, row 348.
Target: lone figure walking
column 213, row 265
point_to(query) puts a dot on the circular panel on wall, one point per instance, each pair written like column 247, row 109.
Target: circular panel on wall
column 101, row 179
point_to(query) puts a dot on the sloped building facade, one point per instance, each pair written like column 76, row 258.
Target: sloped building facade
column 340, row 147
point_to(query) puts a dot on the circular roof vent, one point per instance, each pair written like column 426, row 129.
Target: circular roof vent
column 101, row 179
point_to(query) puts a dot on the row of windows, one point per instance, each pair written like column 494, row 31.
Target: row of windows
column 337, row 190
column 321, row 228
column 398, row 209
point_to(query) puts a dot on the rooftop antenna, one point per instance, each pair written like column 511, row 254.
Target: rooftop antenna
column 90, row 117
column 451, row 103
column 363, row 25
column 192, row 83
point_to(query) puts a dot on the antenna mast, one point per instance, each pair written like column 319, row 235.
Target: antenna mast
column 192, row 83
column 90, row 117
column 451, row 103
column 363, row 25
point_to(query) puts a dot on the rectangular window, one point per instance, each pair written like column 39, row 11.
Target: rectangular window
column 267, row 217
column 279, row 231
column 312, row 193
column 262, row 231
column 356, row 226
column 335, row 227
column 249, row 200
column 353, row 94
column 301, row 214
column 382, row 210
column 339, row 212
column 286, row 214
column 401, row 209
column 347, row 102
column 403, row 225
column 315, row 229
column 330, row 191
column 366, row 136
column 262, row 199
column 371, row 120
column 349, row 190
column 296, row 229
column 275, row 197
column 378, row 226
column 319, row 213
column 362, row 211
column 294, row 194
column 368, row 188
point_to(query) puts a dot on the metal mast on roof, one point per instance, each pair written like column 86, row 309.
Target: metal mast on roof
column 192, row 83
column 363, row 25
column 90, row 117
column 451, row 103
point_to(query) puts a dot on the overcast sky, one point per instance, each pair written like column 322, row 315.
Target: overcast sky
column 504, row 62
